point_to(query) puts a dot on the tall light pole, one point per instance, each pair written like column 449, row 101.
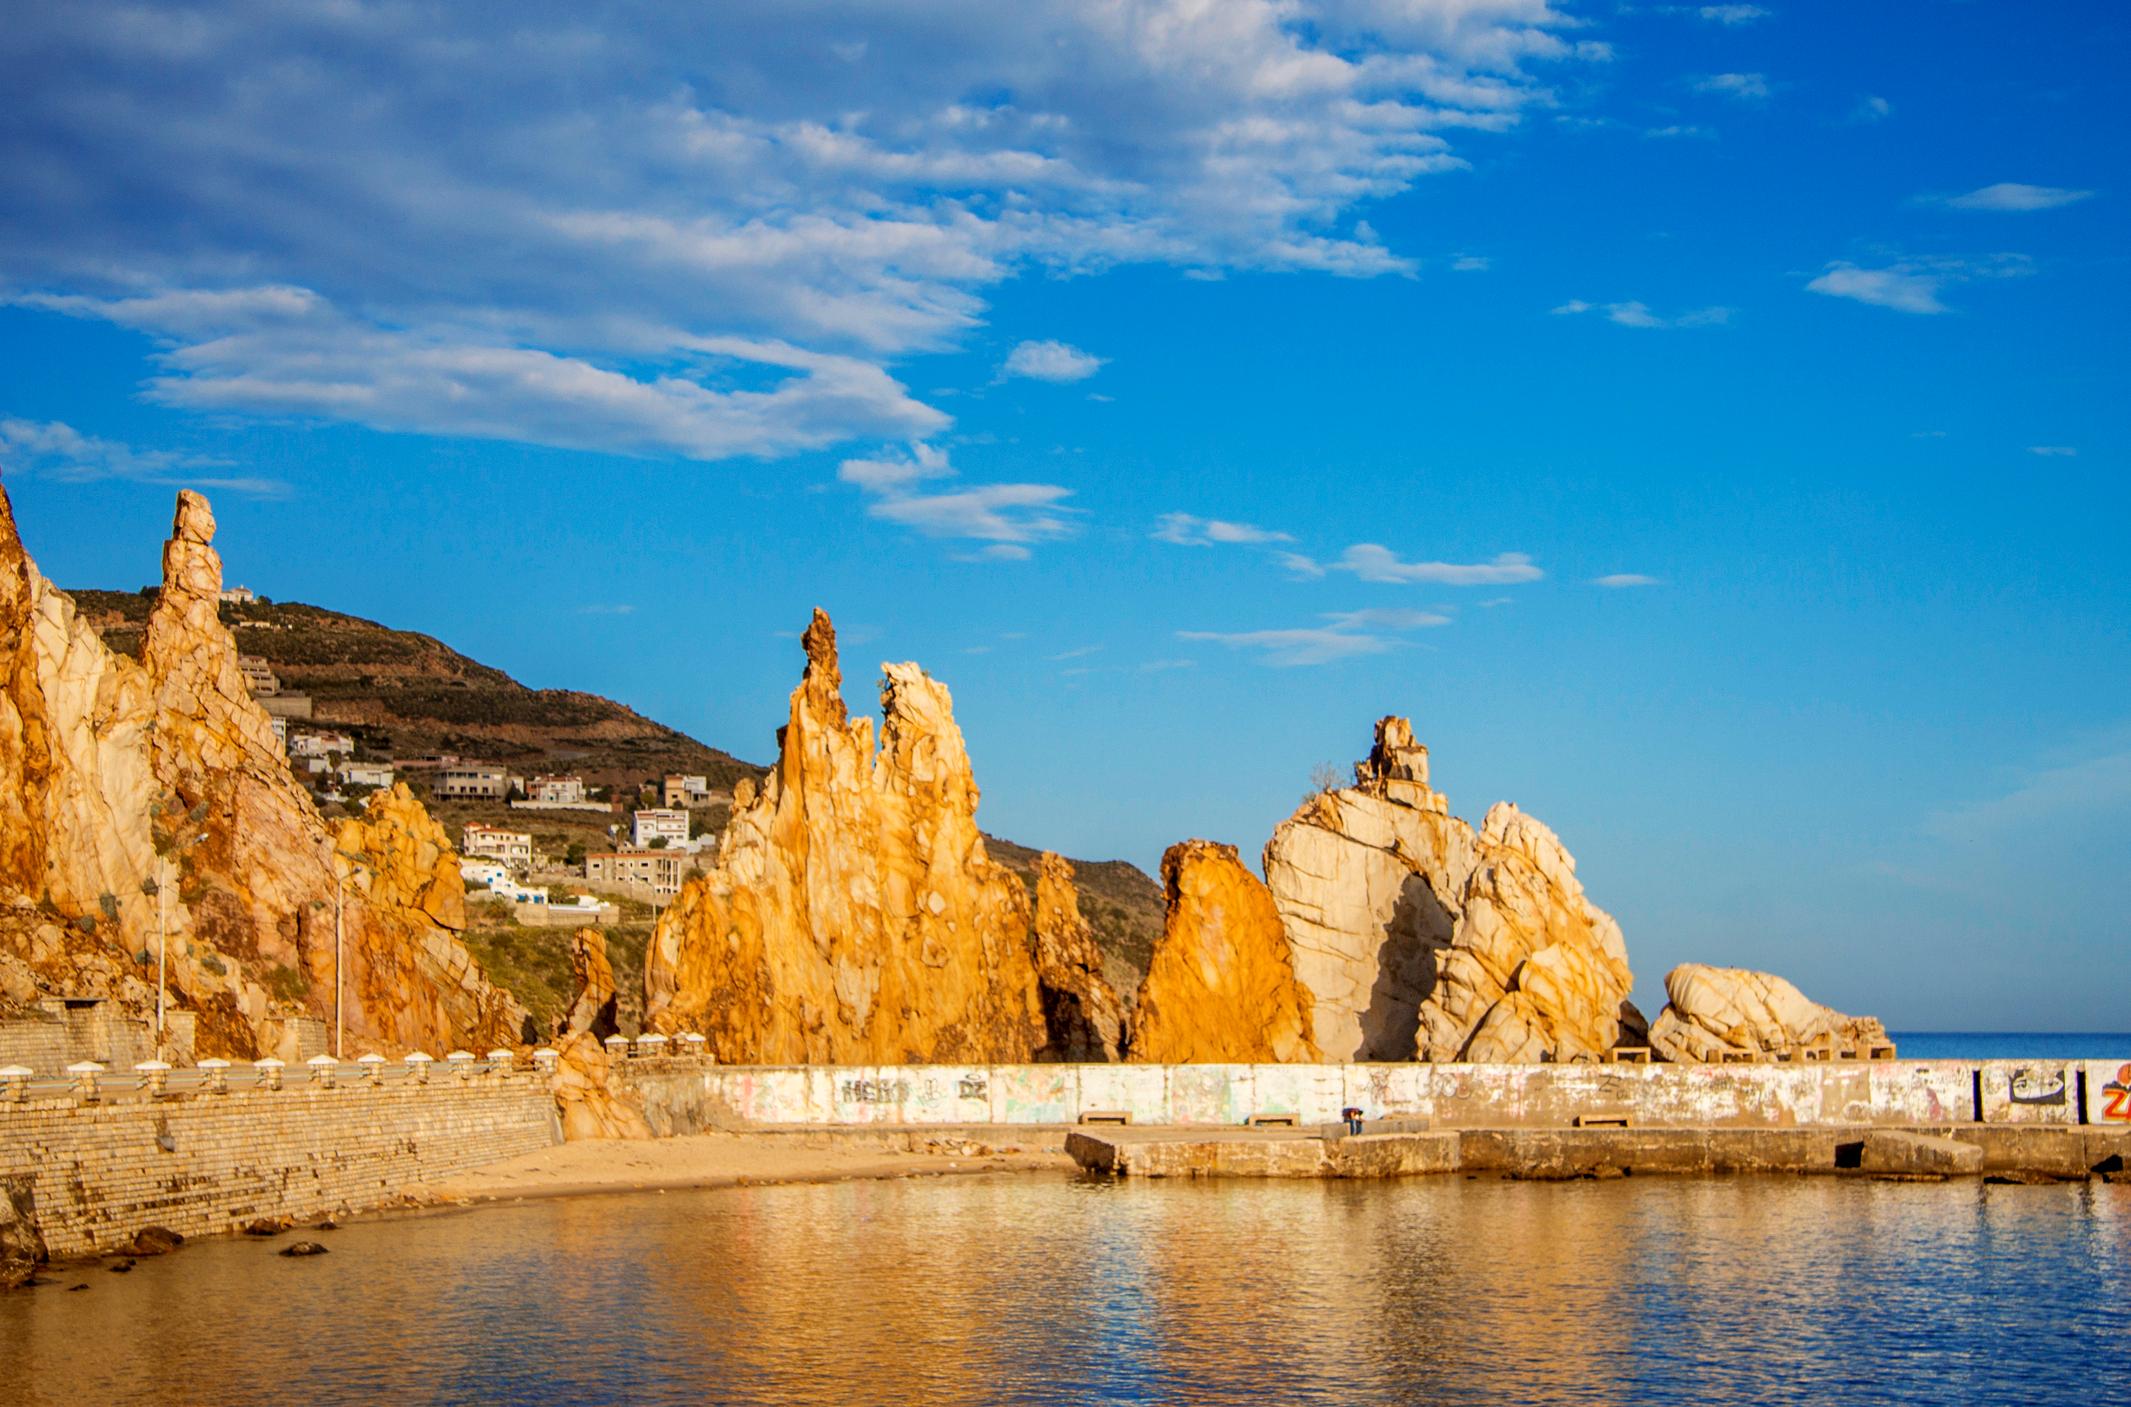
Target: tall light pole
column 162, row 941
column 334, row 855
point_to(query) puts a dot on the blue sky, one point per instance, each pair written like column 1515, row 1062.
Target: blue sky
column 1707, row 422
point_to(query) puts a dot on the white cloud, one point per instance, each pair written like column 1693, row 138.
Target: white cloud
column 2013, row 196
column 1872, row 108
column 693, row 231
column 1637, row 314
column 1618, row 580
column 1746, row 87
column 1188, row 530
column 1733, row 14
column 2054, row 451
column 1050, row 361
column 1471, row 264
column 1372, row 562
column 1078, row 652
column 1913, row 285
column 1008, row 517
column 1681, row 129
column 1300, row 565
column 55, row 450
column 2047, row 799
column 616, row 608
column 1345, row 635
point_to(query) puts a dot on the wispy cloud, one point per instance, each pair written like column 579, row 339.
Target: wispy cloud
column 1372, row 562
column 1471, row 264
column 2054, row 451
column 55, row 450
column 1617, row 580
column 1007, row 517
column 1871, row 108
column 2045, row 798
column 1189, row 530
column 1745, row 87
column 1913, row 285
column 1344, row 635
column 1733, row 14
column 1050, row 361
column 1078, row 652
column 2016, row 197
column 1638, row 314
column 1681, row 130
column 615, row 608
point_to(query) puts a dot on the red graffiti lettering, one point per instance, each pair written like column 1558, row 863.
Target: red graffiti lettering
column 2116, row 1103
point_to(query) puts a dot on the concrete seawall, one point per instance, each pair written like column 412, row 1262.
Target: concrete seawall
column 685, row 1096
column 206, row 1163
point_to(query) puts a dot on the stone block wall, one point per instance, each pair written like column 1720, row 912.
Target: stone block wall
column 204, row 1163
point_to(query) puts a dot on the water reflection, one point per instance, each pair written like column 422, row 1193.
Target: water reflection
column 1040, row 1289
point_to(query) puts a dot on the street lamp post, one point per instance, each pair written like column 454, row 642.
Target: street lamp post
column 340, row 887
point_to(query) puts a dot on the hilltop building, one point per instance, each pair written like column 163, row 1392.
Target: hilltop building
column 496, row 843
column 654, row 824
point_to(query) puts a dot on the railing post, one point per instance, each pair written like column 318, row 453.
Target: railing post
column 215, row 1071
column 155, row 1075
column 651, row 1043
column 323, row 1069
column 418, row 1064
column 501, row 1060
column 545, row 1060
column 617, row 1046
column 694, row 1045
column 373, row 1068
column 461, row 1062
column 85, row 1073
column 269, row 1072
column 15, row 1083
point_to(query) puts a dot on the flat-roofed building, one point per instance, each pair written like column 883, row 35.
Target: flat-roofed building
column 496, row 843
column 656, row 874
column 473, row 782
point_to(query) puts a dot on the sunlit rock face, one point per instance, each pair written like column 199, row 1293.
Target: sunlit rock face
column 1417, row 936
column 853, row 915
column 145, row 794
column 1714, row 1012
column 589, row 1101
column 1082, row 1017
column 1221, row 985
column 1368, row 880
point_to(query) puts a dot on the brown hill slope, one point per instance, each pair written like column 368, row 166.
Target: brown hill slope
column 409, row 695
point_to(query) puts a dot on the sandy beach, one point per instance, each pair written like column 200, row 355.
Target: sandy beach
column 743, row 1160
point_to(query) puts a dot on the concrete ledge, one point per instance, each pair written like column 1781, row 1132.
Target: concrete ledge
column 1896, row 1153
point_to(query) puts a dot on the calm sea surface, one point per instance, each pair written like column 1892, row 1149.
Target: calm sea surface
column 1042, row 1288
column 2011, row 1045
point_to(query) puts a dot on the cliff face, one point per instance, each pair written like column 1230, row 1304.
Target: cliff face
column 1080, row 1012
column 132, row 788
column 1417, row 936
column 1221, row 986
column 853, row 915
column 1711, row 1012
column 589, row 1101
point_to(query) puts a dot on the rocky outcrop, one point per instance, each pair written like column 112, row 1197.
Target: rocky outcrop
column 22, row 1247
column 1221, row 986
column 1714, row 1012
column 595, row 1009
column 853, row 915
column 1534, row 970
column 1417, row 936
column 144, row 805
column 1369, row 881
column 1081, row 1013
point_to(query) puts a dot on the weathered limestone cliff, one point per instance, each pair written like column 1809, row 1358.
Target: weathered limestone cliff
column 1221, row 986
column 595, row 1011
column 1369, row 880
column 1417, row 936
column 1080, row 1011
column 1534, row 971
column 853, row 915
column 1713, row 1012
column 139, row 796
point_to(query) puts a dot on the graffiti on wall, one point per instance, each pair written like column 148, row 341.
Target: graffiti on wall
column 2116, row 1097
column 873, row 1091
column 2030, row 1085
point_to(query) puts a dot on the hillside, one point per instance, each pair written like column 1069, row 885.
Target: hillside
column 408, row 695
column 404, row 694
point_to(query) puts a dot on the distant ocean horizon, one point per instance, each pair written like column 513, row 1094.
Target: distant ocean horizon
column 2012, row 1045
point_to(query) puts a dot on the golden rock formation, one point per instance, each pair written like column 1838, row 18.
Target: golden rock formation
column 1712, row 1012
column 853, row 915
column 146, row 796
column 594, row 1010
column 1080, row 1011
column 1220, row 986
column 1534, row 970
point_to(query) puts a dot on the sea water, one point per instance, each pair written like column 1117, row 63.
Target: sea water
column 2011, row 1045
column 1046, row 1288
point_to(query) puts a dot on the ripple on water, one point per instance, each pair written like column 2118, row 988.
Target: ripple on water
column 1043, row 1289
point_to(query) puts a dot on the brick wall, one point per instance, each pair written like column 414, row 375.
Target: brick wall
column 101, row 1171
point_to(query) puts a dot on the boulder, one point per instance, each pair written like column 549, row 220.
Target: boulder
column 1221, row 986
column 22, row 1247
column 593, row 1011
column 853, row 915
column 152, row 1241
column 588, row 1099
column 1081, row 1013
column 1711, row 1012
